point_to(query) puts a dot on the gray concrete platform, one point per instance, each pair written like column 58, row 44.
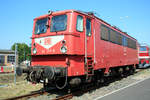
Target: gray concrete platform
column 139, row 91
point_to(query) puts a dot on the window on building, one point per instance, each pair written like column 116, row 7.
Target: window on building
column 10, row 59
column 59, row 23
column 104, row 32
column 142, row 48
column 79, row 26
column 88, row 27
column 2, row 59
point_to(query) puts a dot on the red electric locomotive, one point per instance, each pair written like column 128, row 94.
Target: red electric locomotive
column 72, row 47
column 144, row 56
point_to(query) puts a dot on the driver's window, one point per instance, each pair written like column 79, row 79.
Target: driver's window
column 88, row 27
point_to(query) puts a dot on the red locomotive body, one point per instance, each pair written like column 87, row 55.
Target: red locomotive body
column 78, row 47
column 144, row 56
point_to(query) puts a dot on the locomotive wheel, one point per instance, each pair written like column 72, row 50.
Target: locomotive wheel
column 19, row 71
column 132, row 70
column 46, row 86
column 32, row 77
column 61, row 83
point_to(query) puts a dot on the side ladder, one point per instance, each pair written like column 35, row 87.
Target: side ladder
column 89, row 69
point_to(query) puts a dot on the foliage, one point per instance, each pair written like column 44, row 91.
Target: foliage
column 23, row 50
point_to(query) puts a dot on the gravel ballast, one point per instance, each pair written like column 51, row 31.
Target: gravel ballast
column 115, row 85
column 25, row 87
column 139, row 75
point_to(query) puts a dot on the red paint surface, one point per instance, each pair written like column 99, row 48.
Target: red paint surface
column 107, row 54
column 144, row 56
column 2, row 69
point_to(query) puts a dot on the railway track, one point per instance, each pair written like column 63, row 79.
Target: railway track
column 6, row 72
column 86, row 89
column 65, row 97
column 76, row 92
column 27, row 96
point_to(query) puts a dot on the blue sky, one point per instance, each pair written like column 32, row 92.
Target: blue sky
column 16, row 16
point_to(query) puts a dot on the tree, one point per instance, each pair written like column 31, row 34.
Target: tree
column 23, row 50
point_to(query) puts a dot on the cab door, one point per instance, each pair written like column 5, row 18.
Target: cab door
column 89, row 50
column 89, row 43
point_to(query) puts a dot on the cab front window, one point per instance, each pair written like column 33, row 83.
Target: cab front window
column 59, row 23
column 40, row 26
column 142, row 48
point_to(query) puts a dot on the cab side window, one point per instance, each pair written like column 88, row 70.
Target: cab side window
column 79, row 25
column 88, row 27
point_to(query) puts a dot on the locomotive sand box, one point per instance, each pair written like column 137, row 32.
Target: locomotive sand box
column 72, row 47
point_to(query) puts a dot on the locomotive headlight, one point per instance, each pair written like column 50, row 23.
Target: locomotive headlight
column 63, row 49
column 34, row 51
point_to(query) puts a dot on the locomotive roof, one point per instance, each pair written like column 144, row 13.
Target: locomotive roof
column 145, row 44
column 114, row 27
column 7, row 51
column 91, row 14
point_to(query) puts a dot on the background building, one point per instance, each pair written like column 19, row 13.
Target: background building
column 7, row 57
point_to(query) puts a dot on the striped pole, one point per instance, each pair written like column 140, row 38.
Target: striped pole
column 15, row 64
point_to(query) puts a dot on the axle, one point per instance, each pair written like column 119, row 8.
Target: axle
column 37, row 74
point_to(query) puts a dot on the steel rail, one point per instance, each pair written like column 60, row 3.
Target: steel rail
column 6, row 72
column 85, row 89
column 65, row 97
column 27, row 96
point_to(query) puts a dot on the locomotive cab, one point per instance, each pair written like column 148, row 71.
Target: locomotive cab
column 144, row 56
